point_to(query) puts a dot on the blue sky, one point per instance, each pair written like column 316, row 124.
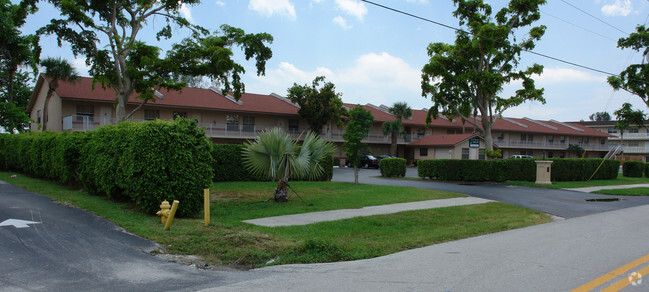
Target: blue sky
column 375, row 56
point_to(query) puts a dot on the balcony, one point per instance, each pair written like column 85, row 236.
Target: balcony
column 629, row 136
column 556, row 145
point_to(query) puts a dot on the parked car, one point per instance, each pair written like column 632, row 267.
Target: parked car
column 369, row 161
column 522, row 156
column 380, row 157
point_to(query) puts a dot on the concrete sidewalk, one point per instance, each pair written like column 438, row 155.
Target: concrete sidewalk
column 315, row 217
column 592, row 189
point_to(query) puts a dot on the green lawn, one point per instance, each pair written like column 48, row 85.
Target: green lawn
column 228, row 241
column 625, row 192
column 621, row 180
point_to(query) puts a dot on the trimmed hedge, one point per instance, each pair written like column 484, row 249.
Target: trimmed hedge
column 149, row 163
column 515, row 169
column 393, row 167
column 633, row 168
column 143, row 162
column 228, row 165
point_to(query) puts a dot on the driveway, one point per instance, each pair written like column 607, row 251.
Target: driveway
column 72, row 250
column 562, row 203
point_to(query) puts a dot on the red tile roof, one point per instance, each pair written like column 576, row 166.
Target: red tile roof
column 187, row 97
column 442, row 140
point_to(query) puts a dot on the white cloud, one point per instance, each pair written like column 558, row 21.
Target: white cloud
column 186, row 12
column 220, row 3
column 372, row 78
column 80, row 65
column 565, row 75
column 619, row 8
column 339, row 20
column 270, row 7
column 352, row 7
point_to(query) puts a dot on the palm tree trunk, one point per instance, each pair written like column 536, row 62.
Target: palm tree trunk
column 393, row 146
column 281, row 192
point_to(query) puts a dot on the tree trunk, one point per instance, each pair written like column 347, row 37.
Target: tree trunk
column 355, row 175
column 486, row 133
column 393, row 146
column 281, row 192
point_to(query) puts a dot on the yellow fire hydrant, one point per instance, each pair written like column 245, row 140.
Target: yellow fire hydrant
column 164, row 211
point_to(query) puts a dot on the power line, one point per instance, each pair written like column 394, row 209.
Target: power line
column 486, row 38
column 593, row 16
column 578, row 26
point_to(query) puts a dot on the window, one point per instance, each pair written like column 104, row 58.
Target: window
column 232, row 122
column 248, row 123
column 612, row 131
column 85, row 113
column 465, row 153
column 551, row 139
column 481, row 155
column 530, row 138
column 450, row 131
column 293, row 125
column 501, row 137
column 634, row 131
column 562, row 139
column 421, row 132
column 634, row 144
column 550, row 154
column 423, row 151
column 151, row 115
column 602, row 141
column 180, row 115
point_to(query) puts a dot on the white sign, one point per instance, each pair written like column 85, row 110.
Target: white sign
column 17, row 223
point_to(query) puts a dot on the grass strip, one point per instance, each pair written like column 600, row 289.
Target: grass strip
column 642, row 191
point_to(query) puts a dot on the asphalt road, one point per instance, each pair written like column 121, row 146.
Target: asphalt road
column 562, row 203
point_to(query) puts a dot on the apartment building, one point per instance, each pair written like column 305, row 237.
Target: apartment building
column 634, row 141
column 79, row 107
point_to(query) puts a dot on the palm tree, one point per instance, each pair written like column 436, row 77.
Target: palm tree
column 401, row 111
column 56, row 69
column 277, row 156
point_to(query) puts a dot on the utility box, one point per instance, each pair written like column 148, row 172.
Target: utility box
column 543, row 172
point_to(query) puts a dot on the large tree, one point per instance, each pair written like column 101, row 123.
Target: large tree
column 129, row 66
column 359, row 124
column 278, row 157
column 635, row 78
column 466, row 78
column 400, row 110
column 16, row 51
column 56, row 70
column 626, row 117
column 319, row 105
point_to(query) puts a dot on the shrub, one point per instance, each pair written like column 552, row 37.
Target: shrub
column 227, row 163
column 633, row 168
column 646, row 170
column 391, row 167
column 336, row 161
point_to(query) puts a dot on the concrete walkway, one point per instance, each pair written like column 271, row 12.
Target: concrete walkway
column 315, row 217
column 592, row 189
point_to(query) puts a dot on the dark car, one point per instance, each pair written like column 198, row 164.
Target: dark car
column 382, row 156
column 369, row 161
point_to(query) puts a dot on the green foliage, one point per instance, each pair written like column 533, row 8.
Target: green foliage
column 392, row 167
column 360, row 121
column 466, row 78
column 576, row 150
column 633, row 78
column 492, row 154
column 276, row 156
column 319, row 105
column 626, row 117
column 600, row 116
column 515, row 169
column 646, row 167
column 227, row 163
column 56, row 70
column 633, row 168
column 139, row 69
column 16, row 51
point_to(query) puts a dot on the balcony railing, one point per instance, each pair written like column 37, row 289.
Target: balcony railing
column 629, row 136
column 555, row 145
